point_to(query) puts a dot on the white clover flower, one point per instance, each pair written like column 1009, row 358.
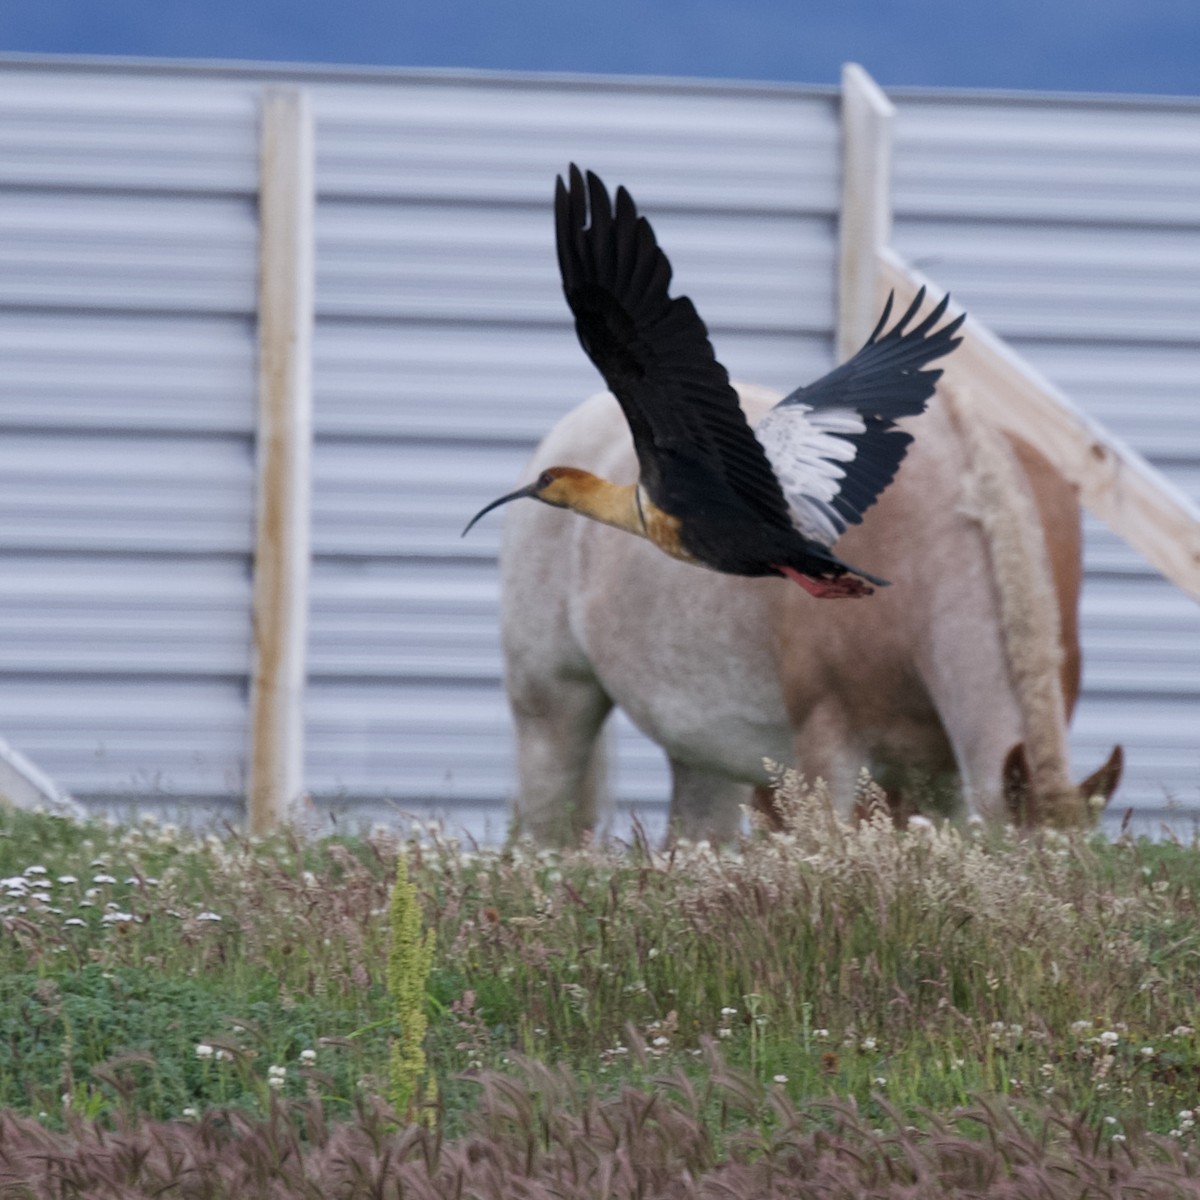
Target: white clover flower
column 869, row 1043
column 36, row 869
column 44, row 897
column 781, row 1079
column 652, row 952
column 1110, row 1120
column 724, row 1032
column 74, row 921
column 67, row 879
column 729, row 1012
column 821, row 1035
column 1109, row 1038
column 308, row 1056
column 114, row 917
column 203, row 1050
column 190, row 1113
column 879, row 1081
column 102, row 878
column 1118, row 1137
column 661, row 1041
column 1147, row 1052
column 1080, row 1026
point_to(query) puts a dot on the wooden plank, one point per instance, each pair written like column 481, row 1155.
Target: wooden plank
column 1115, row 483
column 865, row 224
column 284, row 451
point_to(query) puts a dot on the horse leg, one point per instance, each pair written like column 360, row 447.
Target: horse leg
column 827, row 749
column 560, row 760
column 704, row 805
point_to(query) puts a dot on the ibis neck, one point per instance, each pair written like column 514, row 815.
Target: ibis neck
column 610, row 503
column 624, row 506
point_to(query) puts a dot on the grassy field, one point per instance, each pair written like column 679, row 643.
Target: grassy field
column 941, row 1009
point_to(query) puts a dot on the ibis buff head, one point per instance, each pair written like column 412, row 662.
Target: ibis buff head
column 712, row 491
column 555, row 485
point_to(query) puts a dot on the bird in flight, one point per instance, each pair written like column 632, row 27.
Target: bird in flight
column 711, row 490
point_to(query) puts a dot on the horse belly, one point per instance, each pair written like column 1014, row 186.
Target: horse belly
column 685, row 652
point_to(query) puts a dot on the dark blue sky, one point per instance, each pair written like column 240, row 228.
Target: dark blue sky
column 1097, row 45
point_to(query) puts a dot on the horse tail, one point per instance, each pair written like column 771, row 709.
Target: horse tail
column 997, row 495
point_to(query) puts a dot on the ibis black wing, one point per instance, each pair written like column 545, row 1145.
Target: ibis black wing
column 653, row 351
column 834, row 445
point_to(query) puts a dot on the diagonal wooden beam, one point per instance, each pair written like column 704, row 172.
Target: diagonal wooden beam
column 1116, row 484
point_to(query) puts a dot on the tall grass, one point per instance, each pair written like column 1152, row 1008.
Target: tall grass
column 148, row 975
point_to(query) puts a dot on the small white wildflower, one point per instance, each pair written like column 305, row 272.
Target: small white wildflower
column 224, row 1056
column 821, row 1035
column 1110, row 1120
column 308, row 1056
column 652, row 952
column 724, row 1032
column 869, row 1043
column 67, row 879
column 36, row 869
column 781, row 1079
column 113, row 917
column 1147, row 1052
column 879, row 1081
column 190, row 1113
column 1182, row 1031
column 729, row 1012
column 1109, row 1038
column 74, row 921
column 44, row 897
column 1118, row 1137
column 661, row 1041
column 203, row 1050
column 207, row 916
column 1080, row 1026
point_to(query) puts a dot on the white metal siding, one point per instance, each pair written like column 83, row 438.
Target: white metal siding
column 443, row 351
column 128, row 248
column 1072, row 228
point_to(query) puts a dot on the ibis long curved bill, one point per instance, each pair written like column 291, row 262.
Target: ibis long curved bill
column 711, row 490
column 520, row 493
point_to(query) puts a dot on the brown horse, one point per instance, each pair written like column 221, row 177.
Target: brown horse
column 958, row 680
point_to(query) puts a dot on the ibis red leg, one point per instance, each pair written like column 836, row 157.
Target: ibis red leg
column 842, row 588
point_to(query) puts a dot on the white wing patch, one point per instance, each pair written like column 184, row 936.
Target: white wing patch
column 804, row 449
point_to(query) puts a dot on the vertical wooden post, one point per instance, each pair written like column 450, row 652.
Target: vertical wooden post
column 866, row 216
column 284, row 451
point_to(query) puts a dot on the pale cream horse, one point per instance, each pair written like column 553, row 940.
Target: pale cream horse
column 959, row 678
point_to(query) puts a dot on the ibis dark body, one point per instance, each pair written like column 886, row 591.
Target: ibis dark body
column 698, row 458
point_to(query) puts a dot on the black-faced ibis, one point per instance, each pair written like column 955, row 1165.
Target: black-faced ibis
column 711, row 490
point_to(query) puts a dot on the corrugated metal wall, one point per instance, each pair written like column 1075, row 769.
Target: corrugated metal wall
column 1072, row 228
column 443, row 351
column 128, row 247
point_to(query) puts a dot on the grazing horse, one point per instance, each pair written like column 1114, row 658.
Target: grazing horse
column 959, row 679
